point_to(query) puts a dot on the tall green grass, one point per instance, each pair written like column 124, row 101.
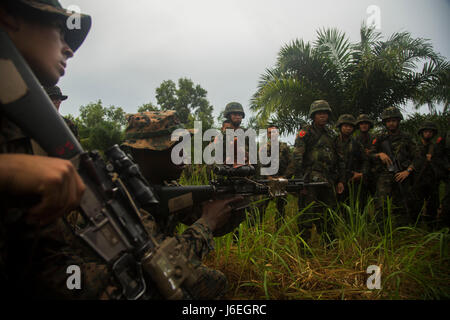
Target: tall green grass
column 262, row 261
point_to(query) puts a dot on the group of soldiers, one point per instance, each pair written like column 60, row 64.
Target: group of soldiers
column 38, row 244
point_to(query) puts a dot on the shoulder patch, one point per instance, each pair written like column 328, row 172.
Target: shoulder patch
column 439, row 140
column 374, row 141
column 302, row 133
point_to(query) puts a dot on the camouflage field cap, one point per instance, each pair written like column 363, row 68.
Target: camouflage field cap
column 75, row 36
column 55, row 92
column 152, row 130
column 428, row 125
column 346, row 119
column 319, row 105
column 390, row 113
column 234, row 107
column 364, row 118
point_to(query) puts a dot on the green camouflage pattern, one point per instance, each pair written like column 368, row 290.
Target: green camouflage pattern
column 390, row 113
column 355, row 158
column 364, row 118
column 430, row 125
column 315, row 154
column 428, row 173
column 233, row 107
column 152, row 130
column 404, row 149
column 51, row 9
column 55, row 92
column 346, row 119
column 319, row 105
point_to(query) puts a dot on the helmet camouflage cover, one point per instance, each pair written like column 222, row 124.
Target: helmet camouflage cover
column 319, row 105
column 364, row 118
column 55, row 91
column 234, row 107
column 346, row 119
column 391, row 112
column 428, row 125
column 152, row 130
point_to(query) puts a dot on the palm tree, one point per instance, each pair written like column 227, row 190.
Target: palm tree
column 365, row 77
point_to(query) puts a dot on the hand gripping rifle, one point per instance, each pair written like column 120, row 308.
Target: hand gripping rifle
column 115, row 189
column 230, row 181
column 395, row 168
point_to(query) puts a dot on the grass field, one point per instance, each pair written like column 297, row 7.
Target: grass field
column 262, row 261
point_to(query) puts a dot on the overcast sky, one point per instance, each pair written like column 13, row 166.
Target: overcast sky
column 222, row 45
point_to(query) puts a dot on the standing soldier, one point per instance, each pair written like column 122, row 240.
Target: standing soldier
column 316, row 158
column 283, row 163
column 235, row 113
column 430, row 166
column 355, row 158
column 57, row 97
column 393, row 152
column 365, row 137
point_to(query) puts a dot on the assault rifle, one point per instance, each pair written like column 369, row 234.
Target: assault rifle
column 115, row 189
column 395, row 168
column 230, row 181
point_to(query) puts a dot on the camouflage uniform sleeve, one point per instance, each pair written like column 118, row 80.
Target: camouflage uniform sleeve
column 411, row 148
column 299, row 152
column 197, row 239
column 340, row 164
column 364, row 159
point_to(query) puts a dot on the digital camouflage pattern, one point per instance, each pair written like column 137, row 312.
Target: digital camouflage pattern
column 234, row 107
column 319, row 105
column 316, row 158
column 364, row 118
column 391, row 113
column 152, row 130
column 404, row 149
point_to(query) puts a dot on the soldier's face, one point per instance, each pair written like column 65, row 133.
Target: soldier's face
column 347, row 129
column 321, row 118
column 42, row 46
column 364, row 127
column 236, row 118
column 392, row 124
column 427, row 134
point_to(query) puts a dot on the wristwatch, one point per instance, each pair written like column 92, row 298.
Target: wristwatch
column 409, row 170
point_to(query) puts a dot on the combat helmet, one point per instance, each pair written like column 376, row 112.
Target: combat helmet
column 52, row 9
column 319, row 105
column 391, row 112
column 55, row 91
column 346, row 119
column 152, row 130
column 234, row 107
column 428, row 125
column 364, row 118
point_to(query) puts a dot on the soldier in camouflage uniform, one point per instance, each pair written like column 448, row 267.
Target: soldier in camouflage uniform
column 148, row 139
column 316, row 158
column 37, row 245
column 430, row 165
column 390, row 183
column 355, row 158
column 284, row 159
column 364, row 124
column 57, row 97
column 235, row 113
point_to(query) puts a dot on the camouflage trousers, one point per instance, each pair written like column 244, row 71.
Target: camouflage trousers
column 427, row 193
column 315, row 216
column 404, row 210
column 211, row 284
